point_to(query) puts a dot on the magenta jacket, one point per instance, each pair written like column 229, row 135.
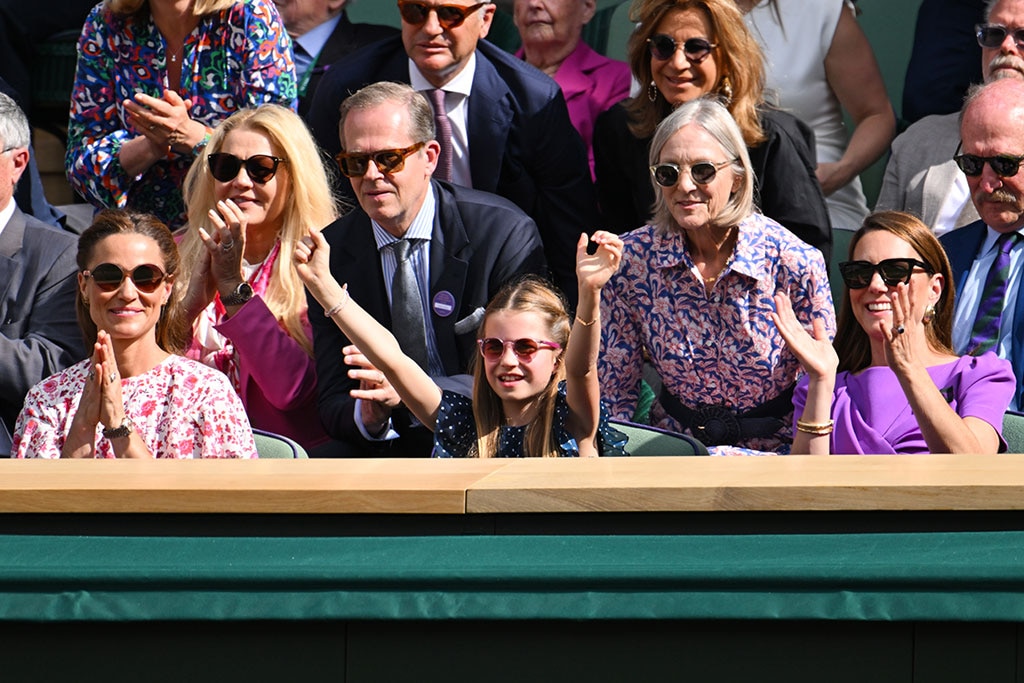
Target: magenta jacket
column 591, row 84
column 278, row 378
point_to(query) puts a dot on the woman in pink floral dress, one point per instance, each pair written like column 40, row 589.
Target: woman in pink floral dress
column 133, row 398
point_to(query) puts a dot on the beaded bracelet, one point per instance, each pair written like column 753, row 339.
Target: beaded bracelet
column 815, row 428
column 336, row 308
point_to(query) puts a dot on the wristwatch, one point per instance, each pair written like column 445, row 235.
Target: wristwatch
column 242, row 293
column 124, row 430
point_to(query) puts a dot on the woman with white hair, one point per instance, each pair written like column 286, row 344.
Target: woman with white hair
column 695, row 289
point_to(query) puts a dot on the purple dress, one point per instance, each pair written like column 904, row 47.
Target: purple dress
column 873, row 415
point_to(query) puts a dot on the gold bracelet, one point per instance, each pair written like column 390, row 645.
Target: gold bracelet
column 336, row 308
column 815, row 428
column 583, row 322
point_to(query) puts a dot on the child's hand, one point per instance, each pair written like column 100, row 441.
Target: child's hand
column 594, row 270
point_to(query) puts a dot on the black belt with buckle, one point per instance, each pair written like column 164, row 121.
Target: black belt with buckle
column 719, row 425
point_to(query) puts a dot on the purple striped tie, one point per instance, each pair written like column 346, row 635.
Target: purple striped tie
column 985, row 333
column 444, row 136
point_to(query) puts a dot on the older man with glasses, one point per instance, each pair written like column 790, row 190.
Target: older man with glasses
column 921, row 177
column 987, row 256
column 421, row 255
column 503, row 126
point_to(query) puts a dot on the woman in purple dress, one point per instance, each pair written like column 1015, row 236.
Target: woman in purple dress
column 891, row 383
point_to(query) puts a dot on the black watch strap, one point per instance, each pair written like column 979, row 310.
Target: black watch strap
column 124, row 430
column 243, row 292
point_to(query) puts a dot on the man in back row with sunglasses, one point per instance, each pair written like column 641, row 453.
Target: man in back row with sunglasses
column 39, row 334
column 503, row 126
column 987, row 256
column 422, row 256
column 921, row 177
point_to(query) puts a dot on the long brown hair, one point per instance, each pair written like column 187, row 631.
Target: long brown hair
column 529, row 294
column 851, row 342
column 172, row 330
column 737, row 56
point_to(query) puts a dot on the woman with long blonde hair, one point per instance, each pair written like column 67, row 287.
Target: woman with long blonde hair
column 254, row 192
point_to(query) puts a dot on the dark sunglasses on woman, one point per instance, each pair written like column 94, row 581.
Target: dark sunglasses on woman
column 493, row 348
column 993, row 35
column 259, row 167
column 449, row 16
column 858, row 274
column 355, row 164
column 663, row 47
column 702, row 172
column 1004, row 165
column 109, row 277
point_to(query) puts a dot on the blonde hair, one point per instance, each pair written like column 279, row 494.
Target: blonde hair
column 715, row 120
column 737, row 56
column 529, row 294
column 200, row 8
column 309, row 204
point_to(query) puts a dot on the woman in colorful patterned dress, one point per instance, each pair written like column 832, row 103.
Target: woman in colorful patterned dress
column 134, row 397
column 891, row 383
column 255, row 191
column 153, row 79
column 695, row 293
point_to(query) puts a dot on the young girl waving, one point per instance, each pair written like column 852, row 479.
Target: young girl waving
column 535, row 390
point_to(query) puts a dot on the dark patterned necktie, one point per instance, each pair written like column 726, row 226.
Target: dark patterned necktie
column 985, row 333
column 407, row 322
column 444, row 136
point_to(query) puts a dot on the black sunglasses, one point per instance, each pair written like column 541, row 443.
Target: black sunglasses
column 449, row 16
column 663, row 47
column 355, row 164
column 1004, row 165
column 858, row 274
column 993, row 35
column 493, row 348
column 109, row 277
column 259, row 167
column 702, row 172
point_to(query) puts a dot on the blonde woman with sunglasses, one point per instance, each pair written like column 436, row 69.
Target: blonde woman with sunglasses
column 254, row 192
column 891, row 383
column 134, row 397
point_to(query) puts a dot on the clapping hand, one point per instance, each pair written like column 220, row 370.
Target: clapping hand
column 594, row 269
column 815, row 353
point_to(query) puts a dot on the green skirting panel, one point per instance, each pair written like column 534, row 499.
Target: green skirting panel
column 971, row 576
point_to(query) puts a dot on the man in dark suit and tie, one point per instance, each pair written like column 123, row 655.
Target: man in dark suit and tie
column 988, row 256
column 457, row 246
column 38, row 331
column 321, row 35
column 510, row 128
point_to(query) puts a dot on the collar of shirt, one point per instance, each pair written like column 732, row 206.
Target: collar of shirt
column 421, row 228
column 313, row 41
column 462, row 84
column 7, row 213
column 670, row 250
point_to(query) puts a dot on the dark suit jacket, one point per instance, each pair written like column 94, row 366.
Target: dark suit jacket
column 522, row 144
column 787, row 189
column 345, row 39
column 479, row 242
column 962, row 247
column 39, row 334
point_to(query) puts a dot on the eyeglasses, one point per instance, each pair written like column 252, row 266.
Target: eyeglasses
column 858, row 274
column 259, row 167
column 1004, row 165
column 493, row 348
column 109, row 277
column 702, row 172
column 355, row 164
column 663, row 47
column 993, row 35
column 449, row 16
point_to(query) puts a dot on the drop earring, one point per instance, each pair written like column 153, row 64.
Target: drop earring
column 929, row 314
column 652, row 92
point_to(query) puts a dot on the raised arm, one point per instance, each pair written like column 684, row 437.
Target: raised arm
column 583, row 389
column 414, row 386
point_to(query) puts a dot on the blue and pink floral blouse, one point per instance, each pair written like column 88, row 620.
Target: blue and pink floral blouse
column 235, row 58
column 717, row 348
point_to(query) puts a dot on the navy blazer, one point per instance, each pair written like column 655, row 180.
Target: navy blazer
column 962, row 246
column 39, row 333
column 479, row 242
column 523, row 145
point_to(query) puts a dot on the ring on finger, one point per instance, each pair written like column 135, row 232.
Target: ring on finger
column 227, row 246
column 112, row 377
column 900, row 329
column 92, row 375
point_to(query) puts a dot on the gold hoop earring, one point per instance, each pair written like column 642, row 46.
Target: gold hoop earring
column 652, row 92
column 929, row 314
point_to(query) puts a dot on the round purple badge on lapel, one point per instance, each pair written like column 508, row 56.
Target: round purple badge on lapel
column 444, row 304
